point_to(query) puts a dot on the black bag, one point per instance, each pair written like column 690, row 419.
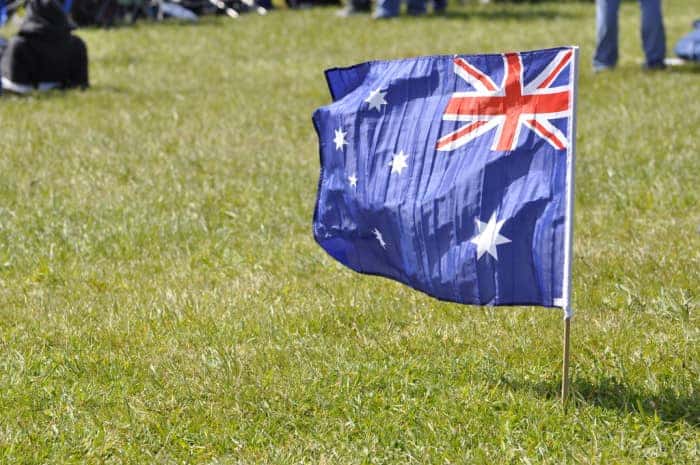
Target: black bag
column 44, row 52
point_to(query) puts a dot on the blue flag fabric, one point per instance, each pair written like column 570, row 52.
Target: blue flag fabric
column 452, row 174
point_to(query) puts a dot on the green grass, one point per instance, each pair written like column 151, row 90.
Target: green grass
column 162, row 299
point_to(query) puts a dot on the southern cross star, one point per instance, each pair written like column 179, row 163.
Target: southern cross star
column 376, row 99
column 398, row 162
column 379, row 237
column 489, row 237
column 353, row 180
column 340, row 139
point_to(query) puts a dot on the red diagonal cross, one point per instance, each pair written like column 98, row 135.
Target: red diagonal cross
column 513, row 104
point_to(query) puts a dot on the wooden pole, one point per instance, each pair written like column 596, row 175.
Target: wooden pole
column 565, row 367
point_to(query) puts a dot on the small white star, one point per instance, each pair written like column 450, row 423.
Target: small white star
column 353, row 180
column 379, row 237
column 398, row 162
column 340, row 139
column 488, row 237
column 376, row 99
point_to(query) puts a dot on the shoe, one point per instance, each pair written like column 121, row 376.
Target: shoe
column 655, row 66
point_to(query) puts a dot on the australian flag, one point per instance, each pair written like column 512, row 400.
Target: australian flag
column 453, row 174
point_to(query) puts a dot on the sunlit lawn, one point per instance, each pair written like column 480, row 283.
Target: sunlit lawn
column 162, row 299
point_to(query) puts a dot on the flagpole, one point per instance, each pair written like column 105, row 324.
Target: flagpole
column 569, row 231
column 565, row 366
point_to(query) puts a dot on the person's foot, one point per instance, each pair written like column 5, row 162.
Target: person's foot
column 654, row 66
column 602, row 68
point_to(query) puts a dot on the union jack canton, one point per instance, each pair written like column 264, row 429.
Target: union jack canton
column 453, row 174
column 511, row 105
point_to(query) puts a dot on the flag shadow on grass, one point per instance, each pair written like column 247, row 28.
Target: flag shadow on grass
column 612, row 394
column 668, row 405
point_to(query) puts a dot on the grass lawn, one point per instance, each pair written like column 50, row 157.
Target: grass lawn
column 162, row 299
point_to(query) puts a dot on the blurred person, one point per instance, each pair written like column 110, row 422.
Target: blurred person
column 390, row 8
column 303, row 4
column 652, row 31
column 44, row 54
column 355, row 7
column 418, row 7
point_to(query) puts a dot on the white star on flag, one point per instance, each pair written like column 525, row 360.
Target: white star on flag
column 340, row 139
column 379, row 237
column 398, row 162
column 488, row 237
column 376, row 99
column 353, row 180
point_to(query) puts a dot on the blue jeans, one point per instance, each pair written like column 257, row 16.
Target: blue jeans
column 387, row 8
column 390, row 8
column 653, row 36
